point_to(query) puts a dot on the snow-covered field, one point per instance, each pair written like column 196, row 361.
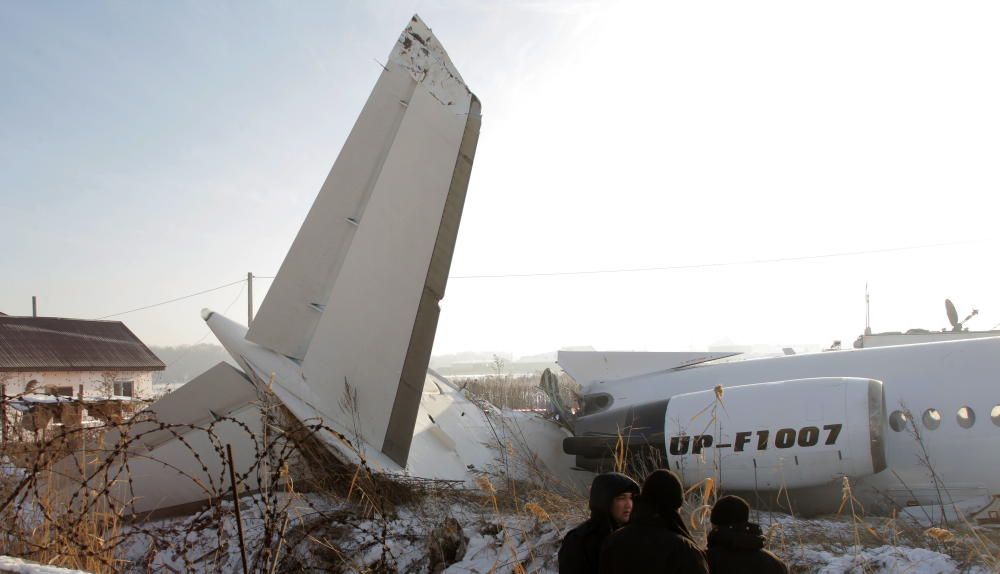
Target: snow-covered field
column 466, row 533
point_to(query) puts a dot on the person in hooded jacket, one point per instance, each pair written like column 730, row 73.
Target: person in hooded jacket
column 656, row 540
column 611, row 497
column 736, row 545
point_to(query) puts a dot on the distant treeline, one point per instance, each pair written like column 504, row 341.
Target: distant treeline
column 186, row 362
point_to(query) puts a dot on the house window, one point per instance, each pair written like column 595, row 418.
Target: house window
column 124, row 389
column 59, row 391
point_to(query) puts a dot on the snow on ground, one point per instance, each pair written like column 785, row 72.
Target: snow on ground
column 10, row 565
column 325, row 535
column 881, row 559
column 9, row 470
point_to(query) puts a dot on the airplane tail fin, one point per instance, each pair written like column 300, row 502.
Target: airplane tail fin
column 356, row 299
column 291, row 310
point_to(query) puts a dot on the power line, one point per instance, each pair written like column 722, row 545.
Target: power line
column 172, row 300
column 715, row 264
column 607, row 271
column 208, row 331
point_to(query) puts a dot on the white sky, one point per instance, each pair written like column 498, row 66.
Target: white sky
column 150, row 152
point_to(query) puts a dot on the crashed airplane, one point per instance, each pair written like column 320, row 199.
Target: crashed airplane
column 910, row 426
column 345, row 333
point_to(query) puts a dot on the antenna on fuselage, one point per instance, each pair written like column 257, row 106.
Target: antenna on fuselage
column 868, row 324
column 957, row 325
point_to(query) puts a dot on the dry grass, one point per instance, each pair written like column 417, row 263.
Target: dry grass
column 313, row 512
column 517, row 391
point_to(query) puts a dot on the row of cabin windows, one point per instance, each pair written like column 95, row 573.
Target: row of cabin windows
column 931, row 419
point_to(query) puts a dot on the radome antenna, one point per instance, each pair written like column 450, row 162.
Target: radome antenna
column 957, row 325
column 868, row 324
column 949, row 307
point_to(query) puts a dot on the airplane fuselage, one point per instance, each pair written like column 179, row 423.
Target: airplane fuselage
column 944, row 454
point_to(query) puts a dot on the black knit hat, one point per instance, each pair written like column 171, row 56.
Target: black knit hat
column 730, row 510
column 606, row 487
column 663, row 491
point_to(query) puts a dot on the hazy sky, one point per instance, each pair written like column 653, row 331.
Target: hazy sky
column 149, row 150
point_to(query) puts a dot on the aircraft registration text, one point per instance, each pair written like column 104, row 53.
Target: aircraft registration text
column 808, row 436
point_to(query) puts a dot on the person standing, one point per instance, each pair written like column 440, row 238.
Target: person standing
column 656, row 540
column 611, row 499
column 736, row 545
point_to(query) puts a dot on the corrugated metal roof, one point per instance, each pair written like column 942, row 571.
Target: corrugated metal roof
column 54, row 344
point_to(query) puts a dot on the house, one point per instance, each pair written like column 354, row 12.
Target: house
column 69, row 357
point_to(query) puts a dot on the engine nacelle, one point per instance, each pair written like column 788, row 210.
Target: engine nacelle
column 788, row 434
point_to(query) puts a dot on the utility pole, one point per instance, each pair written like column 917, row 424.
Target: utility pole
column 249, row 298
column 34, row 306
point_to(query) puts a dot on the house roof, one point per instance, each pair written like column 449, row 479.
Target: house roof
column 55, row 344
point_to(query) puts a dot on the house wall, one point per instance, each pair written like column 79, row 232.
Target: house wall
column 95, row 383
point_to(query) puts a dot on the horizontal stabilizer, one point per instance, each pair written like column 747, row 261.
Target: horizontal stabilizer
column 173, row 461
column 588, row 367
column 215, row 393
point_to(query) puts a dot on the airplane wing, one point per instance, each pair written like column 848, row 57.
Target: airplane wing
column 588, row 367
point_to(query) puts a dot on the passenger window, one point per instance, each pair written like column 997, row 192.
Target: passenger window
column 932, row 419
column 995, row 415
column 898, row 420
column 966, row 417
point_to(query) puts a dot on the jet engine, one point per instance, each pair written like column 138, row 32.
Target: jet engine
column 788, row 434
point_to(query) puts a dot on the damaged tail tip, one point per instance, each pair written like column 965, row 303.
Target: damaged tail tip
column 206, row 314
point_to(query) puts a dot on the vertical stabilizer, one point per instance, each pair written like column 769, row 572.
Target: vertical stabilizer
column 290, row 312
column 369, row 320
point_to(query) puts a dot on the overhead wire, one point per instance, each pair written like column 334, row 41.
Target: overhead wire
column 603, row 271
column 209, row 331
column 174, row 300
column 713, row 264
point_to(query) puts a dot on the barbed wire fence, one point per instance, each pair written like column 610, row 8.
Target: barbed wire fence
column 68, row 495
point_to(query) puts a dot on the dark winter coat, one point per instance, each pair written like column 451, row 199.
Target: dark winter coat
column 581, row 548
column 739, row 549
column 653, row 543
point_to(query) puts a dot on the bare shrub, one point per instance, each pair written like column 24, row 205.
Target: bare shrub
column 518, row 391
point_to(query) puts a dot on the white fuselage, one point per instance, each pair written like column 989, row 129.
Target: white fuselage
column 945, row 376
